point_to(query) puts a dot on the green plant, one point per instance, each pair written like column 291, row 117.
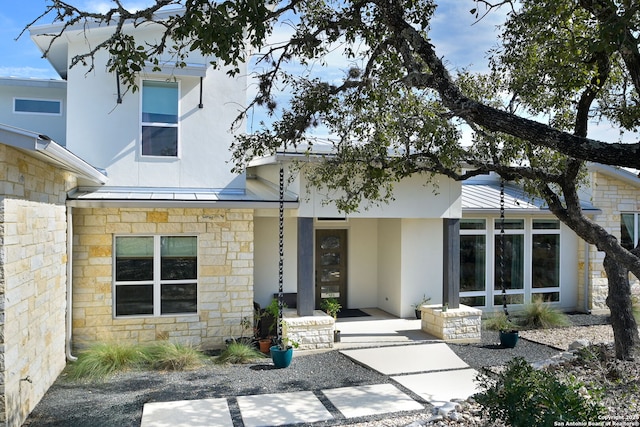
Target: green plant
column 539, row 315
column 165, row 355
column 331, row 306
column 239, row 352
column 500, row 322
column 272, row 309
column 522, row 396
column 425, row 299
column 636, row 307
column 104, row 359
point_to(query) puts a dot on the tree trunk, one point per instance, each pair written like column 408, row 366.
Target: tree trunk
column 625, row 328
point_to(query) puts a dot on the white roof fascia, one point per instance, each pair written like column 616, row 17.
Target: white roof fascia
column 44, row 147
column 623, row 175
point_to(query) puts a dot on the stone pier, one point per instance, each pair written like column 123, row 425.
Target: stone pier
column 460, row 325
column 310, row 332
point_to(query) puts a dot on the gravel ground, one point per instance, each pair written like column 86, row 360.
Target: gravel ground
column 119, row 400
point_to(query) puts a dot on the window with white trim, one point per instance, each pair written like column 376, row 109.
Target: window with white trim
column 155, row 275
column 160, row 118
column 37, row 106
column 530, row 262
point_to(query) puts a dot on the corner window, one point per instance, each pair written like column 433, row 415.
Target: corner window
column 155, row 275
column 160, row 118
column 37, row 106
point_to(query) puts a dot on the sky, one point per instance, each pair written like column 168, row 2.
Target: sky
column 458, row 40
column 461, row 41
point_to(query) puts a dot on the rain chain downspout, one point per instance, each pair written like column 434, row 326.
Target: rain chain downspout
column 280, row 257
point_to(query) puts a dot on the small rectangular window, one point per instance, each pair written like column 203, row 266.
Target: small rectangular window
column 628, row 230
column 510, row 224
column 546, row 224
column 160, row 118
column 155, row 275
column 37, row 106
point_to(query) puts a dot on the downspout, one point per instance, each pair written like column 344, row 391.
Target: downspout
column 69, row 310
column 587, row 265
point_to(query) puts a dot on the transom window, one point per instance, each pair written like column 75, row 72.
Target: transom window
column 37, row 106
column 155, row 275
column 160, row 118
column 529, row 266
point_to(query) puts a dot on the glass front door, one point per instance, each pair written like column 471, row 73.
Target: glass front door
column 331, row 266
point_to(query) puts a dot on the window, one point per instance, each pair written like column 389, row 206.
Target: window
column 37, row 106
column 509, row 266
column 473, row 240
column 545, row 259
column 629, row 230
column 159, row 118
column 155, row 275
column 529, row 265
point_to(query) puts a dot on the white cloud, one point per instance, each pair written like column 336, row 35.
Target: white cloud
column 29, row 72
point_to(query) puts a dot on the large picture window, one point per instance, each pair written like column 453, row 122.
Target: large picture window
column 529, row 265
column 160, row 118
column 155, row 275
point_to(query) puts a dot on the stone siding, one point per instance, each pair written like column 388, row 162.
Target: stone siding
column 463, row 324
column 612, row 197
column 225, row 275
column 310, row 332
column 33, row 274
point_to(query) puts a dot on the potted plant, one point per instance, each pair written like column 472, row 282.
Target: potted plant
column 425, row 299
column 332, row 306
column 282, row 352
column 507, row 329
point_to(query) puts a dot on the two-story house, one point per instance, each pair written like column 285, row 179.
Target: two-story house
column 138, row 230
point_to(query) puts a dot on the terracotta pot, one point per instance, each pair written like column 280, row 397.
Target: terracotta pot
column 265, row 344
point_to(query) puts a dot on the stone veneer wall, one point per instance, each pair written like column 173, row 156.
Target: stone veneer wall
column 225, row 274
column 463, row 324
column 33, row 256
column 310, row 332
column 612, row 197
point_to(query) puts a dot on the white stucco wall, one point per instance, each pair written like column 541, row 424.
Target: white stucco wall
column 389, row 265
column 54, row 126
column 107, row 134
column 363, row 262
column 422, row 260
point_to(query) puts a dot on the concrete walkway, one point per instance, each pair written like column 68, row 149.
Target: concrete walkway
column 413, row 360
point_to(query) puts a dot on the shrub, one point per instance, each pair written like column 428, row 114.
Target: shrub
column 522, row 396
column 499, row 322
column 540, row 315
column 103, row 359
column 169, row 356
column 238, row 352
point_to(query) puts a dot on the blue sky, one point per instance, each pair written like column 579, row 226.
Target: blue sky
column 457, row 39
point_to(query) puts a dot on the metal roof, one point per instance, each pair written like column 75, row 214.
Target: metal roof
column 484, row 198
column 258, row 194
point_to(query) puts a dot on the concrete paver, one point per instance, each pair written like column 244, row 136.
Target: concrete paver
column 439, row 388
column 282, row 408
column 405, row 359
column 370, row 400
column 187, row 413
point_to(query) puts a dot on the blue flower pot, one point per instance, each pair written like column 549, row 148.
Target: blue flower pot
column 281, row 358
column 508, row 339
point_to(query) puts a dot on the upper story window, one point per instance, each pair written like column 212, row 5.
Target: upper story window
column 37, row 106
column 160, row 118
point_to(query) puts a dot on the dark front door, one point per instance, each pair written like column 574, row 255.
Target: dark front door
column 331, row 266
